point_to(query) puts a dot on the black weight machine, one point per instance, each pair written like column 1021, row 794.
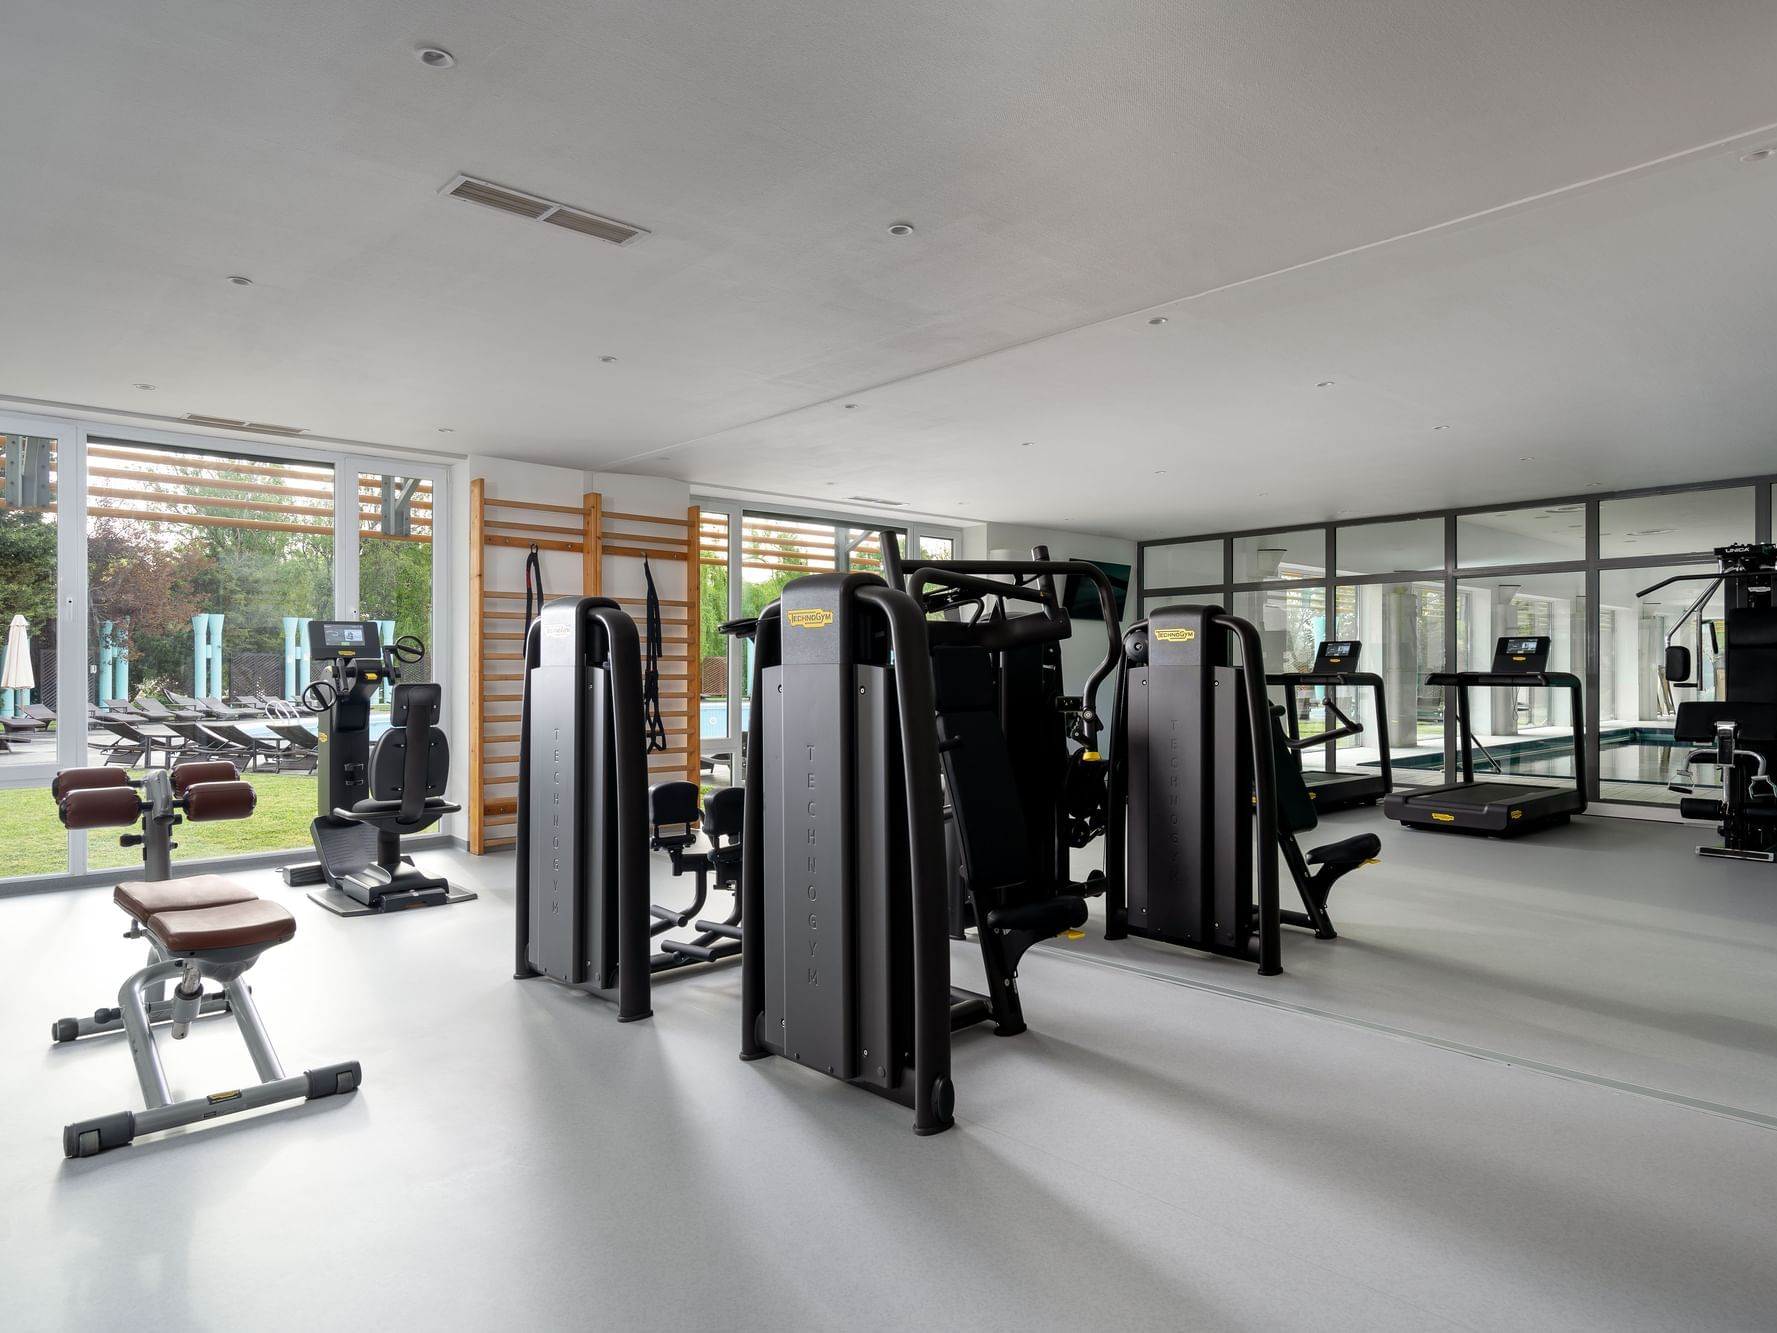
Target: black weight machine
column 370, row 795
column 1738, row 734
column 1020, row 800
column 1214, row 796
column 587, row 818
column 847, row 967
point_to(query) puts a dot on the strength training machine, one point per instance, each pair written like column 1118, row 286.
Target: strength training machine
column 587, row 819
column 1020, row 800
column 371, row 794
column 200, row 928
column 1500, row 809
column 1214, row 796
column 1739, row 732
column 845, row 967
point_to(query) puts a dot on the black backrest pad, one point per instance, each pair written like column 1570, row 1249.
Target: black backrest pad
column 672, row 803
column 426, row 700
column 724, row 813
column 1295, row 808
column 978, row 769
column 1752, row 655
column 411, row 761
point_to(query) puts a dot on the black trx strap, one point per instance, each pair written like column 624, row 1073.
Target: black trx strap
column 533, row 584
column 652, row 722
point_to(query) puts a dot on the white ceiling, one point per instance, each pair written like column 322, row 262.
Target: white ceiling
column 1070, row 168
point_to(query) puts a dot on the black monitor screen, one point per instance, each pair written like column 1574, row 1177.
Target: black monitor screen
column 329, row 639
column 1080, row 595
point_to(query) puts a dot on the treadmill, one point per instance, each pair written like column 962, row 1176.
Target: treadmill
column 1335, row 665
column 1501, row 809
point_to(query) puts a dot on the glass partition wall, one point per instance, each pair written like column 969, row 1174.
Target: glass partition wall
column 1422, row 591
column 158, row 588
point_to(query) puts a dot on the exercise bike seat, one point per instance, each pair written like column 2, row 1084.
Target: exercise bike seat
column 143, row 899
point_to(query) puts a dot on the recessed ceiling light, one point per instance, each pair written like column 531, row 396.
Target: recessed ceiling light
column 1758, row 154
column 240, row 281
column 1440, row 428
column 142, row 386
column 1159, row 472
column 1027, row 444
column 900, row 229
column 1158, row 319
column 434, row 57
column 447, row 430
column 1594, row 485
column 1527, row 459
column 851, row 407
column 1324, row 384
column 608, row 360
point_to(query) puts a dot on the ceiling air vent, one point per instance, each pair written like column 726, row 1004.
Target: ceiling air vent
column 878, row 500
column 539, row 209
column 235, row 423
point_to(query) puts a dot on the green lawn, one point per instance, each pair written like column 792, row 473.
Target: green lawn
column 36, row 844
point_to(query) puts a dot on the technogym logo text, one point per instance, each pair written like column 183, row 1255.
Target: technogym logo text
column 1175, row 635
column 810, row 617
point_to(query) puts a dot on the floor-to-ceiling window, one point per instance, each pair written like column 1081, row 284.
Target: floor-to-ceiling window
column 1423, row 591
column 31, row 658
column 170, row 624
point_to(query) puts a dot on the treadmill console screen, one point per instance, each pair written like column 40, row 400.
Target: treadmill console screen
column 330, row 640
column 1526, row 655
column 1336, row 655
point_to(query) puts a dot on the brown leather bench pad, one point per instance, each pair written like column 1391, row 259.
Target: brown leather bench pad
column 143, row 898
column 234, row 926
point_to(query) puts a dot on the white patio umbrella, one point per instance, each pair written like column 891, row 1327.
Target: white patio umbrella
column 17, row 675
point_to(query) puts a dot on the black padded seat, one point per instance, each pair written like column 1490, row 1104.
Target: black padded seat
column 145, row 898
column 1044, row 918
column 1348, row 853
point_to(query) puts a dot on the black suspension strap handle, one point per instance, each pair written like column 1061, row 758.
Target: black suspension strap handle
column 533, row 585
column 653, row 724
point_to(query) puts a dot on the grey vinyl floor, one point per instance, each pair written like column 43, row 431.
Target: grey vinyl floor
column 1534, row 1086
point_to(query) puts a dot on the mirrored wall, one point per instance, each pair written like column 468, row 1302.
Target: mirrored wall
column 1428, row 592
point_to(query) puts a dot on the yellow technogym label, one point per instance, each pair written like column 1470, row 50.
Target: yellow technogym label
column 558, row 631
column 1517, row 814
column 1175, row 635
column 228, row 1096
column 1443, row 818
column 810, row 617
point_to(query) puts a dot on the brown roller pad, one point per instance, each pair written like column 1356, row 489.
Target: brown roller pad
column 145, row 898
column 80, row 779
column 219, row 800
column 101, row 807
column 213, row 929
column 188, row 775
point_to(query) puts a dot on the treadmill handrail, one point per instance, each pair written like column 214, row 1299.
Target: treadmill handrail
column 1541, row 680
column 1356, row 679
